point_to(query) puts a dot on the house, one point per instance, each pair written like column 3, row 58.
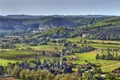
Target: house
column 75, row 58
column 116, row 71
column 84, row 35
column 12, row 36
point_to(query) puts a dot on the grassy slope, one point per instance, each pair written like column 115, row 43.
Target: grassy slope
column 16, row 54
column 105, row 46
column 6, row 54
column 106, row 65
column 98, row 43
column 115, row 21
column 49, row 47
column 4, row 62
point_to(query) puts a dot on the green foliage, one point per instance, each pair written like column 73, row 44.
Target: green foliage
column 111, row 76
column 61, row 32
column 16, row 54
column 108, row 29
column 109, row 55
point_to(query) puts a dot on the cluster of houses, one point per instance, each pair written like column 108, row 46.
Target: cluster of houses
column 43, row 28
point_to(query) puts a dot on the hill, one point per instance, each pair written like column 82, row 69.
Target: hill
column 108, row 29
column 25, row 22
column 59, row 26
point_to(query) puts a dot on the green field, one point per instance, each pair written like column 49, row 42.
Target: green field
column 106, row 65
column 26, row 51
column 104, row 46
column 98, row 43
column 4, row 62
column 16, row 54
column 49, row 47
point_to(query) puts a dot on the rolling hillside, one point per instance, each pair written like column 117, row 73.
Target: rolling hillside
column 108, row 29
column 24, row 22
column 95, row 26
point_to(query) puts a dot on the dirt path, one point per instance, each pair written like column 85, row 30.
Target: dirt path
column 112, row 66
column 9, row 78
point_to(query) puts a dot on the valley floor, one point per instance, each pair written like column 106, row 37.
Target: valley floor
column 106, row 65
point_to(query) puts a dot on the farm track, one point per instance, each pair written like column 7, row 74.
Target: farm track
column 9, row 78
column 110, row 66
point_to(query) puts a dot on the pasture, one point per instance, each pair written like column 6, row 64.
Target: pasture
column 50, row 47
column 26, row 52
column 4, row 62
column 106, row 65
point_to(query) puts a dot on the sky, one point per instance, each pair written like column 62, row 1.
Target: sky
column 60, row 7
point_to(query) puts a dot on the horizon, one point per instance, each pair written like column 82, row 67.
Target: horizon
column 60, row 7
column 57, row 15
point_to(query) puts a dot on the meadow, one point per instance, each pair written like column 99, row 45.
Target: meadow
column 4, row 62
column 49, row 47
column 106, row 65
column 26, row 52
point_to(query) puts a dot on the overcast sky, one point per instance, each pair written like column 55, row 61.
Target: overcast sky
column 60, row 7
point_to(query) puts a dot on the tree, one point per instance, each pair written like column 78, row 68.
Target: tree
column 24, row 74
column 111, row 76
column 15, row 71
column 79, row 72
column 49, row 76
column 1, row 69
column 88, row 76
column 97, row 56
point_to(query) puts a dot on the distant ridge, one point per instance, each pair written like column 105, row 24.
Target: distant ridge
column 25, row 22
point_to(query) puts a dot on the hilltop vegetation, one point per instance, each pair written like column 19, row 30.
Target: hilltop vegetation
column 96, row 27
column 108, row 29
column 33, row 22
column 78, row 59
column 61, row 32
column 66, row 49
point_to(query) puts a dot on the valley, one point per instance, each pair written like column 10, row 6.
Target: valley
column 72, row 48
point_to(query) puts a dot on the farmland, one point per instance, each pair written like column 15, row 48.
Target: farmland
column 25, row 52
column 4, row 62
column 59, row 47
column 106, row 65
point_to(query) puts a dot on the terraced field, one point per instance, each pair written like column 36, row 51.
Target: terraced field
column 49, row 47
column 98, row 43
column 4, row 62
column 106, row 65
column 16, row 54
